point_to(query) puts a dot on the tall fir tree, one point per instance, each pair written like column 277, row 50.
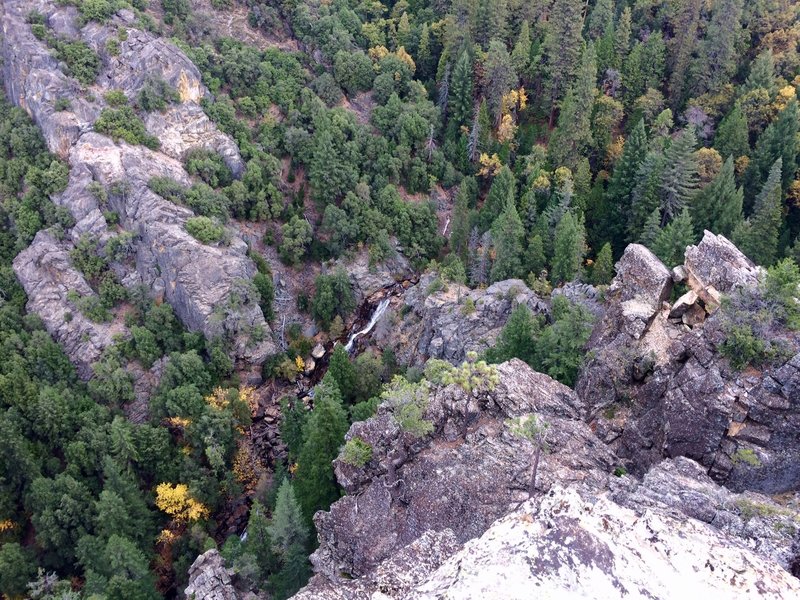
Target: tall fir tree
column 535, row 259
column 521, row 54
column 573, row 136
column 645, row 195
column 759, row 235
column 603, row 269
column 651, row 228
column 682, row 47
column 569, row 248
column 323, row 433
column 671, row 242
column 762, row 73
column 499, row 77
column 733, row 134
column 287, row 526
column 622, row 39
column 424, row 54
column 507, row 233
column 344, row 373
column 600, row 18
column 679, row 176
column 779, row 140
column 623, row 181
column 460, row 222
column 502, row 190
column 561, row 48
column 718, row 206
column 460, row 93
column 717, row 58
column 259, row 542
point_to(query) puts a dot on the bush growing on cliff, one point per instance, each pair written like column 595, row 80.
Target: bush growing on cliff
column 208, row 166
column 82, row 62
column 123, row 123
column 156, row 95
column 205, row 230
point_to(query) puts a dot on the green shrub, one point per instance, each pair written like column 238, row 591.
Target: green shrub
column 208, row 166
column 156, row 95
column 96, row 10
column 112, row 47
column 123, row 123
column 62, row 104
column 82, row 62
column 205, row 230
column 356, row 452
column 116, row 98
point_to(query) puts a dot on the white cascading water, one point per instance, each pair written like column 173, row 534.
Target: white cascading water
column 384, row 304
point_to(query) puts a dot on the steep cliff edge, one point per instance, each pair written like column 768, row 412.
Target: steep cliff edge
column 207, row 285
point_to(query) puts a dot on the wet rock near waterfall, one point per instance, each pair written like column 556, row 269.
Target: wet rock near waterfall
column 447, row 322
column 368, row 279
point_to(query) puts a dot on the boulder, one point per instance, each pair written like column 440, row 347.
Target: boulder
column 640, row 287
column 210, row 580
column 715, row 266
column 683, row 304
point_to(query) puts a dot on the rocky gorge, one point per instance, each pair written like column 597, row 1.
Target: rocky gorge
column 668, row 471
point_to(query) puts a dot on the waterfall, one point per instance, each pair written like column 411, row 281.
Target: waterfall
column 384, row 304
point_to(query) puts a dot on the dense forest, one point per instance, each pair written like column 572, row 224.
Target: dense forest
column 483, row 139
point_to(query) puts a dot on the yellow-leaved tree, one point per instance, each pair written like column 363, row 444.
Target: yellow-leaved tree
column 178, row 504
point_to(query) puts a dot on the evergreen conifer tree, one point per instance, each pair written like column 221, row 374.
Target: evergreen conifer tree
column 679, row 175
column 569, row 247
column 718, row 206
column 623, row 181
column 502, row 190
column 573, row 136
column 315, row 482
column 758, row 236
column 561, row 48
column 651, row 229
column 600, row 18
column 343, row 372
column 461, row 88
column 732, row 138
column 717, row 60
column 670, row 244
column 762, row 73
column 521, row 55
column 622, row 38
column 603, row 270
column 507, row 232
column 287, row 526
column 459, row 227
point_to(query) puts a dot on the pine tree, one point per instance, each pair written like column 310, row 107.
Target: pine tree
column 459, row 228
column 623, row 181
column 499, row 77
column 622, row 38
column 561, row 48
column 502, row 190
column 679, row 176
column 670, row 244
column 507, row 232
column 287, row 526
column 259, row 542
column 535, row 260
column 718, row 206
column 603, row 270
column 601, row 17
column 343, row 373
column 758, row 236
column 517, row 338
column 460, row 96
column 573, row 136
column 717, row 61
column 779, row 140
column 323, row 433
column 424, row 56
column 644, row 197
column 293, row 575
column 651, row 229
column 403, row 31
column 762, row 73
column 521, row 55
column 682, row 47
column 732, row 138
column 569, row 247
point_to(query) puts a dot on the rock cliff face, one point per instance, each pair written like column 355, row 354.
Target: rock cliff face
column 448, row 515
column 208, row 286
column 664, row 390
column 460, row 524
column 448, row 323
